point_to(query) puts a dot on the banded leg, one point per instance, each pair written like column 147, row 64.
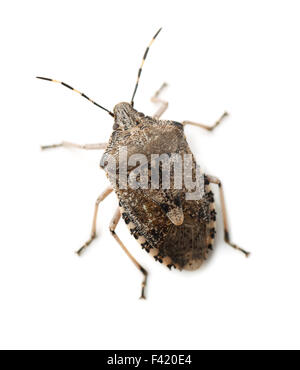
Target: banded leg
column 93, row 233
column 206, row 127
column 112, row 228
column 216, row 181
column 66, row 144
column 155, row 99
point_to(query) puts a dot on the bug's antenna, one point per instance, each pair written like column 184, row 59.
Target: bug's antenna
column 82, row 94
column 143, row 61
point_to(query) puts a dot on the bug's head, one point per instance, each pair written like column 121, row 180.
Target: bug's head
column 122, row 111
column 125, row 116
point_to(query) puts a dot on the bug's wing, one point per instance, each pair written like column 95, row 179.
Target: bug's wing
column 184, row 246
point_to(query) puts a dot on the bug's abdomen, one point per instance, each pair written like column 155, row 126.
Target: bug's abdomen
column 188, row 245
column 184, row 247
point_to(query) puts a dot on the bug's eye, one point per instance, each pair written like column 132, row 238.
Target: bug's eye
column 177, row 201
column 165, row 207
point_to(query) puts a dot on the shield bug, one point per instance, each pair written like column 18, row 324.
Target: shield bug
column 177, row 231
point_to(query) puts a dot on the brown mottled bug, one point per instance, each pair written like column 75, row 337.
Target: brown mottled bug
column 177, row 232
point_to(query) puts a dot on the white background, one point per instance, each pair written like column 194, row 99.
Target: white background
column 242, row 56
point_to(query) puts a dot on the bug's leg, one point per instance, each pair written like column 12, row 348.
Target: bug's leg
column 214, row 180
column 66, row 144
column 112, row 228
column 206, row 127
column 155, row 99
column 93, row 233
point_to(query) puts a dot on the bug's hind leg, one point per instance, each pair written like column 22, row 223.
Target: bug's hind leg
column 112, row 228
column 214, row 180
column 93, row 233
column 206, row 127
column 66, row 144
column 155, row 99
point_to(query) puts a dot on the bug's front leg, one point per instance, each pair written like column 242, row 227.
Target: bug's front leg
column 93, row 233
column 206, row 127
column 214, row 180
column 155, row 99
column 67, row 144
column 112, row 228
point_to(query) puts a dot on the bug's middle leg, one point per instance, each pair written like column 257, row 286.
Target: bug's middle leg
column 155, row 99
column 206, row 127
column 67, row 144
column 93, row 233
column 112, row 228
column 214, row 180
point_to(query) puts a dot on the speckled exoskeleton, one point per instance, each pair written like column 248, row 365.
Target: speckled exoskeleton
column 177, row 232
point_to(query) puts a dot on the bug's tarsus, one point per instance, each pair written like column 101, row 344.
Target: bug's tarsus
column 157, row 93
column 143, row 293
column 206, row 127
column 104, row 195
column 45, row 147
column 112, row 228
column 80, row 93
column 227, row 240
column 156, row 99
column 247, row 254
column 141, row 67
column 67, row 144
column 144, row 283
column 86, row 244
